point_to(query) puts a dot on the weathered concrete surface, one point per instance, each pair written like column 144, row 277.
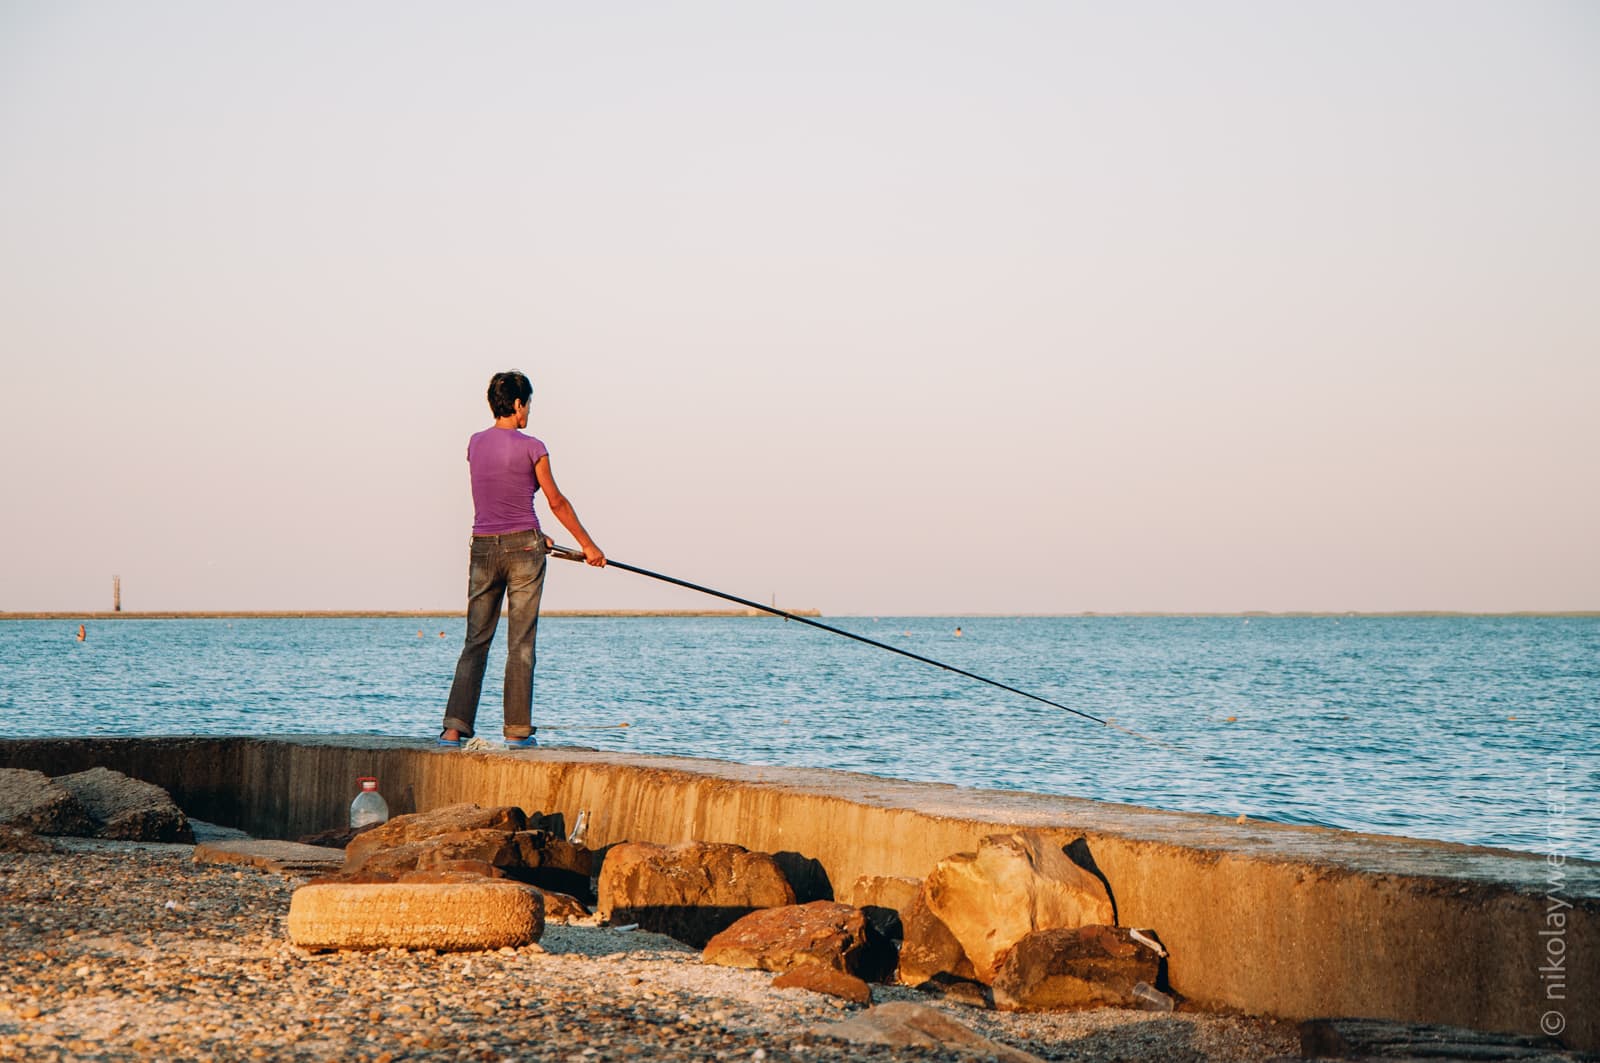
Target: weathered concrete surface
column 1296, row 922
column 279, row 856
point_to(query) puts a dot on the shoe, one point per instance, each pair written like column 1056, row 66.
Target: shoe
column 449, row 743
column 529, row 742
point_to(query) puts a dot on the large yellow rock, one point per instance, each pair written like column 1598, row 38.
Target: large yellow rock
column 448, row 916
column 1013, row 885
column 929, row 949
column 690, row 891
column 1090, row 967
column 824, row 933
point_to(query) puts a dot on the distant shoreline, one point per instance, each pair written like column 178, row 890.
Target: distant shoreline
column 372, row 614
column 402, row 614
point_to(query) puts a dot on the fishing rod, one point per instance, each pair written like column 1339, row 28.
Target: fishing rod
column 567, row 553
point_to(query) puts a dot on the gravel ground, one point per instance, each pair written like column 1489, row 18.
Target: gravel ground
column 119, row 951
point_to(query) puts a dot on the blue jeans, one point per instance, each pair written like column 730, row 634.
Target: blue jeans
column 509, row 566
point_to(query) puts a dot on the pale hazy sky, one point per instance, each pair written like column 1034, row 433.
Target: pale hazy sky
column 875, row 307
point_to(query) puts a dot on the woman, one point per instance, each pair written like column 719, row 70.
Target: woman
column 507, row 560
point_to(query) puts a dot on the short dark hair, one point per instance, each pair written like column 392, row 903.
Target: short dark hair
column 504, row 391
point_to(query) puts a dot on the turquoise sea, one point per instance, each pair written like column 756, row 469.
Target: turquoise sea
column 1483, row 730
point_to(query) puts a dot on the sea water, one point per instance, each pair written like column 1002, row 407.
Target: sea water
column 1482, row 730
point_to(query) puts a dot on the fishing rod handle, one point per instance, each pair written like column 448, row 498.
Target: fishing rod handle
column 566, row 553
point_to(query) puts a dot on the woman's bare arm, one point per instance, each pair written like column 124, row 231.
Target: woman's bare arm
column 562, row 508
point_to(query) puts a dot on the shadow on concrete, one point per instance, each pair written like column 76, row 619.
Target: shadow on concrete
column 1078, row 852
column 885, row 921
column 808, row 877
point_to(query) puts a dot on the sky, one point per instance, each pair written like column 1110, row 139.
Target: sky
column 871, row 307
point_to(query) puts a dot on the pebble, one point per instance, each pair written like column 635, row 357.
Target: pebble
column 215, row 978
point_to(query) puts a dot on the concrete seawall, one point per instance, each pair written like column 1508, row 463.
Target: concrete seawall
column 1294, row 922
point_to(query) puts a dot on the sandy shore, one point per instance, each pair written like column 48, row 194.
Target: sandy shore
column 123, row 951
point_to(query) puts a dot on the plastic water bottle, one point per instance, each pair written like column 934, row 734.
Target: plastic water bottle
column 369, row 807
column 580, row 831
column 1150, row 998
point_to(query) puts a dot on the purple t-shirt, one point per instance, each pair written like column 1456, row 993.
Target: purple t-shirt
column 503, row 483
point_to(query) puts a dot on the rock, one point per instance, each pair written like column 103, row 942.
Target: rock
column 930, row 949
column 481, row 868
column 919, row 1026
column 447, row 916
column 552, row 863
column 30, row 801
column 1084, row 967
column 13, row 840
column 690, row 891
column 561, row 908
column 404, row 849
column 127, row 809
column 886, row 900
column 437, row 875
column 361, row 878
column 283, row 857
column 442, row 871
column 337, row 838
column 418, row 826
column 965, row 991
column 540, row 848
column 1013, row 885
column 486, row 845
column 827, row 980
column 821, row 933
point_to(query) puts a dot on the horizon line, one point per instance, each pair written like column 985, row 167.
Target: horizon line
column 386, row 614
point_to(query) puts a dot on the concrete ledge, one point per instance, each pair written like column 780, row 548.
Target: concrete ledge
column 1294, row 922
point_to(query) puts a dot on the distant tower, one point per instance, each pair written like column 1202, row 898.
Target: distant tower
column 116, row 594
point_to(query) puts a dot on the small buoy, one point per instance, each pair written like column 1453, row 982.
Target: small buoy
column 1511, row 717
column 1232, row 719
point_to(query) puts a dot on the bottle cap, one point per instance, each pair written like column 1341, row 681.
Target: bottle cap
column 367, row 782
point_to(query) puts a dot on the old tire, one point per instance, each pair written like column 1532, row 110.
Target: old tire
column 448, row 916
